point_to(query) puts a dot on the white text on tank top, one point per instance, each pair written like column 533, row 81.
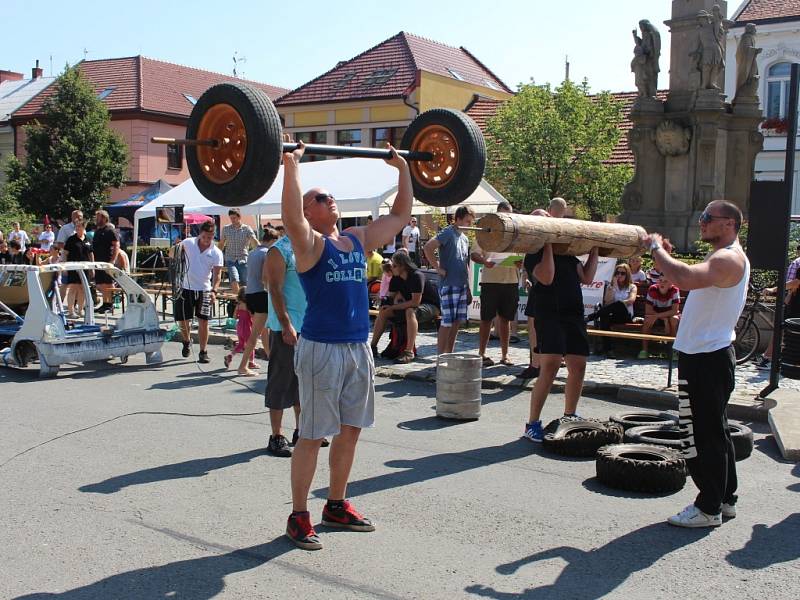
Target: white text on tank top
column 710, row 315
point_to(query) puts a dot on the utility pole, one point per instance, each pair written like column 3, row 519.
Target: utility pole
column 566, row 68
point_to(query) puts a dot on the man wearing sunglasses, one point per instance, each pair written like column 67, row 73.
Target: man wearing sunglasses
column 333, row 361
column 706, row 359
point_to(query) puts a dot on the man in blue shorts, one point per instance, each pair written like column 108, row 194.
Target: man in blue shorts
column 453, row 268
column 332, row 359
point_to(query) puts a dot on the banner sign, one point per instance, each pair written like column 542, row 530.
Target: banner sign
column 592, row 293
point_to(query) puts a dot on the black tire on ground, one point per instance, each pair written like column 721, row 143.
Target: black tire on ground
column 264, row 144
column 748, row 337
column 641, row 468
column 742, row 438
column 471, row 157
column 639, row 418
column 581, row 438
column 669, row 436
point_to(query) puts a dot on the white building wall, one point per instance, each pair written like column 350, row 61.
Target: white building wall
column 780, row 42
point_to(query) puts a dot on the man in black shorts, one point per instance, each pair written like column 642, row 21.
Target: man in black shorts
column 104, row 236
column 415, row 301
column 560, row 330
column 203, row 264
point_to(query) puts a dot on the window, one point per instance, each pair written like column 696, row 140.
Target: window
column 455, row 74
column 192, row 100
column 348, row 137
column 379, row 77
column 490, row 84
column 174, row 156
column 105, row 93
column 312, row 137
column 778, row 90
column 346, row 78
column 387, row 135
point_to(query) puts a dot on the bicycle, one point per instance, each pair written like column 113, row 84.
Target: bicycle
column 748, row 334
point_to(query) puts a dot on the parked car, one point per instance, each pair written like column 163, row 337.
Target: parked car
column 34, row 327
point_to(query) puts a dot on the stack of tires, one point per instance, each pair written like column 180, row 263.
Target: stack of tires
column 790, row 357
column 670, row 436
column 580, row 437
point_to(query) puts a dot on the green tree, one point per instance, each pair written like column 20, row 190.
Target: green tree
column 72, row 158
column 548, row 142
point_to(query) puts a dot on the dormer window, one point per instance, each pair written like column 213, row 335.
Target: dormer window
column 105, row 93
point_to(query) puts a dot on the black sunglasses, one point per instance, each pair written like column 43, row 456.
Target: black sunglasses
column 707, row 218
column 323, row 197
column 620, row 273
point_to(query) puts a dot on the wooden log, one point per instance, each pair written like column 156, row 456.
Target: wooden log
column 525, row 234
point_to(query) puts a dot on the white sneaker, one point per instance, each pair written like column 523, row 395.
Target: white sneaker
column 728, row 511
column 691, row 516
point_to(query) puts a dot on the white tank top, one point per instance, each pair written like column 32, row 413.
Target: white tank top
column 710, row 314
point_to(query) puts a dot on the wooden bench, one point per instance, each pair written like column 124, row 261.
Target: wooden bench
column 626, row 335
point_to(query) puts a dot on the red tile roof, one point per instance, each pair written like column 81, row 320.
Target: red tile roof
column 482, row 109
column 145, row 84
column 755, row 11
column 398, row 59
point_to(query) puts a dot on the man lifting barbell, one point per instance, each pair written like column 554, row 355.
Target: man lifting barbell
column 333, row 361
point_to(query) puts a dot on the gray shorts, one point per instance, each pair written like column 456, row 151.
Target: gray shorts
column 337, row 387
column 282, row 391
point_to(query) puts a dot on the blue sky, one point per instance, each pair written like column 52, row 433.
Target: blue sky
column 288, row 43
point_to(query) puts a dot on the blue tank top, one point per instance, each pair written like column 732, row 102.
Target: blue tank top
column 338, row 300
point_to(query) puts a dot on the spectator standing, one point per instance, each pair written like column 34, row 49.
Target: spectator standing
column 791, row 303
column 287, row 308
column 77, row 248
column 560, row 329
column 244, row 328
column 68, row 229
column 411, row 239
column 13, row 255
column 414, row 301
column 452, row 265
column 257, row 299
column 104, row 236
column 47, row 237
column 662, row 304
column 374, row 266
column 235, row 242
column 618, row 300
column 334, row 365
column 199, row 287
column 118, row 256
column 20, row 236
column 499, row 298
column 706, row 359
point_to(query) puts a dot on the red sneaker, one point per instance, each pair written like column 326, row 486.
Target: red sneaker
column 300, row 530
column 346, row 517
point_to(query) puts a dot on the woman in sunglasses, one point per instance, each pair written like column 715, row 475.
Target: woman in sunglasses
column 617, row 304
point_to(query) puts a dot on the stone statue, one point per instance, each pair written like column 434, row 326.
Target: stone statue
column 709, row 54
column 746, row 66
column 646, row 54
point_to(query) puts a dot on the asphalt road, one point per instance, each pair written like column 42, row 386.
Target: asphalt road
column 114, row 498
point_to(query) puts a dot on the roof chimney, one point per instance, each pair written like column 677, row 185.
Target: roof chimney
column 36, row 72
column 9, row 76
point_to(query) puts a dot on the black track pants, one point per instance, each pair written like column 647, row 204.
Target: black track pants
column 706, row 381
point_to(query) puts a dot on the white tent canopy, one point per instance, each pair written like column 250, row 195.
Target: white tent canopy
column 361, row 186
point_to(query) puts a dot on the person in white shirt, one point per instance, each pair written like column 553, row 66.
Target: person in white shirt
column 68, row 229
column 203, row 267
column 411, row 239
column 47, row 237
column 637, row 275
column 20, row 236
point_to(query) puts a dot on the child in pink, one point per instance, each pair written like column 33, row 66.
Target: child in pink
column 244, row 325
column 385, row 280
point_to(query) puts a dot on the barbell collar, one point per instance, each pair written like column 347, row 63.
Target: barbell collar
column 357, row 152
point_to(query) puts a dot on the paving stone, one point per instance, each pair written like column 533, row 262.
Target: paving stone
column 784, row 420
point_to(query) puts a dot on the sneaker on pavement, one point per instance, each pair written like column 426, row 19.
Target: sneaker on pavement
column 728, row 511
column 296, row 436
column 406, row 356
column 534, row 431
column 529, row 372
column 644, row 354
column 346, row 517
column 186, row 350
column 573, row 417
column 300, row 530
column 279, row 446
column 202, row 357
column 763, row 364
column 691, row 516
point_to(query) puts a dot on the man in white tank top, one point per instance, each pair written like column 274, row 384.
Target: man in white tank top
column 706, row 359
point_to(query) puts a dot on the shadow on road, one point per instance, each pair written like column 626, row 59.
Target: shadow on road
column 197, row 578
column 437, row 465
column 593, row 485
column 769, row 545
column 191, row 468
column 195, row 379
column 430, row 424
column 591, row 574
